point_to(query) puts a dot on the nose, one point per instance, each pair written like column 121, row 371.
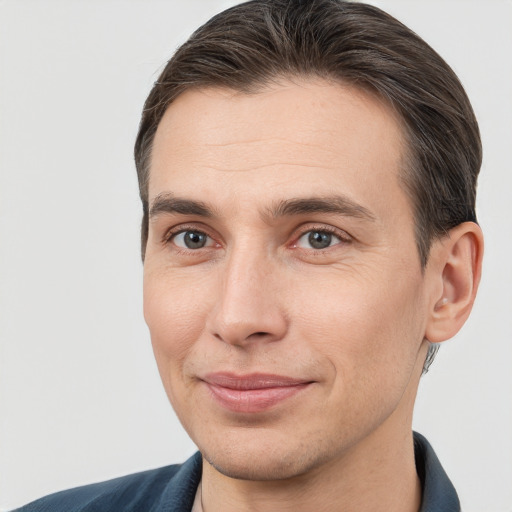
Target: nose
column 248, row 308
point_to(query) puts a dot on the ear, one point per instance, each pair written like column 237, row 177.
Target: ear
column 454, row 267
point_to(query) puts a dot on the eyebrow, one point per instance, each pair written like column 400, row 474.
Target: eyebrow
column 168, row 203
column 341, row 205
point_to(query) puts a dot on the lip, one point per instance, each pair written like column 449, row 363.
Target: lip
column 252, row 393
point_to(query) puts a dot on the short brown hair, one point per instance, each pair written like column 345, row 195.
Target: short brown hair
column 257, row 42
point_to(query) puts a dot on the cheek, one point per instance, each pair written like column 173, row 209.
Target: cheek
column 370, row 341
column 364, row 327
column 172, row 310
column 173, row 313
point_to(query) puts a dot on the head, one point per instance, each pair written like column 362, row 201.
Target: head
column 271, row 70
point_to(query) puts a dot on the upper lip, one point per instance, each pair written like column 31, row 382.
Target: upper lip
column 251, row 381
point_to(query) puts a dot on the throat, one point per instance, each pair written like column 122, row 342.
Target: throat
column 198, row 505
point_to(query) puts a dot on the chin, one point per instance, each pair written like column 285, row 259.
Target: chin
column 248, row 469
column 265, row 463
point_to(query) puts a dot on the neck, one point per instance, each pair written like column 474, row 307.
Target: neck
column 381, row 476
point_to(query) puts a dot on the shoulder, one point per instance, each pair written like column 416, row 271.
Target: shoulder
column 169, row 488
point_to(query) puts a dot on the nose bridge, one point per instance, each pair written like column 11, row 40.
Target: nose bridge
column 247, row 305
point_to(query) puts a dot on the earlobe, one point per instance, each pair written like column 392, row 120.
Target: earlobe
column 457, row 267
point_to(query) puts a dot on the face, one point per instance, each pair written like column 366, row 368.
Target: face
column 282, row 284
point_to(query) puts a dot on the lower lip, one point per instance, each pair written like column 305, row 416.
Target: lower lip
column 253, row 400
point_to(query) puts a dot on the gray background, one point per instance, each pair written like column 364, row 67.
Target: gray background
column 80, row 398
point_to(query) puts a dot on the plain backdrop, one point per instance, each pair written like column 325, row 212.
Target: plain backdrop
column 80, row 397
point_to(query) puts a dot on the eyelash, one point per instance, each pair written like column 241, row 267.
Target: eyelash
column 341, row 235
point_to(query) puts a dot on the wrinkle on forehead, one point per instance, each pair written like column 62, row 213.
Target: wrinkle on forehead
column 262, row 153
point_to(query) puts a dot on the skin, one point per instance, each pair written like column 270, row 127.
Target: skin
column 350, row 319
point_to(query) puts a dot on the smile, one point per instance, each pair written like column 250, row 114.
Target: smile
column 252, row 393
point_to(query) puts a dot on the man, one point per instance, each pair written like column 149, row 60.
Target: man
column 307, row 172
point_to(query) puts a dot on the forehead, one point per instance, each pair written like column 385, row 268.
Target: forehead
column 296, row 138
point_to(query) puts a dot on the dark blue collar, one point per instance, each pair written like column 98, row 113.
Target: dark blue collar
column 439, row 495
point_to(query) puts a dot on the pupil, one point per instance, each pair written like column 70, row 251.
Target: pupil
column 194, row 240
column 319, row 240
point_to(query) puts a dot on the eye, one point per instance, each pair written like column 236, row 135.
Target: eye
column 318, row 239
column 192, row 239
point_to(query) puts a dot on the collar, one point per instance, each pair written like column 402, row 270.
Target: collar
column 439, row 495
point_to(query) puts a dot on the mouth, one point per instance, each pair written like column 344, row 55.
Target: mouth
column 252, row 393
